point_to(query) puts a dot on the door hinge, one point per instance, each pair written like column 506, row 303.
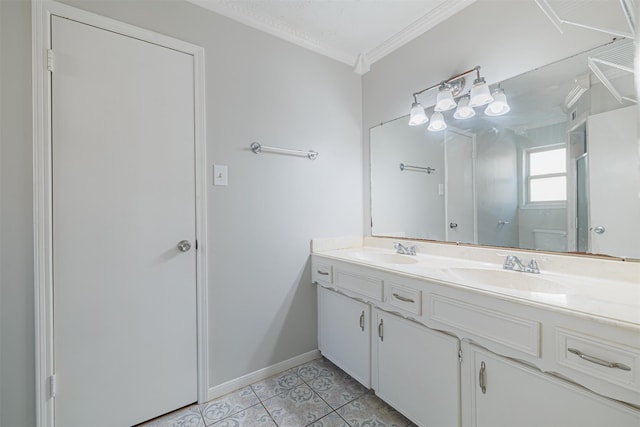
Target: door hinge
column 52, row 385
column 196, row 245
column 50, row 60
column 460, row 355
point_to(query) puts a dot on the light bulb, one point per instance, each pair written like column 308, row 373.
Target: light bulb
column 444, row 100
column 480, row 94
column 437, row 122
column 499, row 105
column 417, row 115
column 464, row 111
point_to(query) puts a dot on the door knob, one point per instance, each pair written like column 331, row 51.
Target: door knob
column 453, row 225
column 184, row 245
column 599, row 230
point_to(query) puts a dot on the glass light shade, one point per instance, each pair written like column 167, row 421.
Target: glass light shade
column 437, row 122
column 417, row 115
column 499, row 105
column 444, row 100
column 480, row 94
column 464, row 111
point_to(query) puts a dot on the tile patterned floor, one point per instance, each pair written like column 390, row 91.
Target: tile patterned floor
column 316, row 394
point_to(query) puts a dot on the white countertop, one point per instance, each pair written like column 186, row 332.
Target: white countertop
column 608, row 297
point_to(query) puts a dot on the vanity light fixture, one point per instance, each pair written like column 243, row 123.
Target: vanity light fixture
column 448, row 90
column 464, row 111
column 499, row 105
column 444, row 100
column 417, row 115
column 437, row 122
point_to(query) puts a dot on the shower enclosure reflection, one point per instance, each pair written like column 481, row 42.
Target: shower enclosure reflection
column 558, row 173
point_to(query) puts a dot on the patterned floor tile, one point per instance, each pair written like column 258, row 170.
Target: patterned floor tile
column 331, row 420
column 297, row 407
column 370, row 411
column 276, row 385
column 315, row 368
column 255, row 416
column 187, row 417
column 229, row 404
column 337, row 388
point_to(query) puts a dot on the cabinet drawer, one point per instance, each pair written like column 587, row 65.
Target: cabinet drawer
column 599, row 358
column 403, row 297
column 501, row 328
column 321, row 271
column 368, row 286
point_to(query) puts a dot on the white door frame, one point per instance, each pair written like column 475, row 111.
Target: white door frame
column 42, row 10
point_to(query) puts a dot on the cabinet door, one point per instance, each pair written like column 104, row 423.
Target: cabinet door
column 344, row 333
column 500, row 392
column 416, row 370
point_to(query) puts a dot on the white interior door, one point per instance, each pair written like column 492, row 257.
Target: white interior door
column 614, row 200
column 460, row 188
column 123, row 197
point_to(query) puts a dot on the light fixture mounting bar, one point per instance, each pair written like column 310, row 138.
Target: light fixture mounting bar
column 449, row 80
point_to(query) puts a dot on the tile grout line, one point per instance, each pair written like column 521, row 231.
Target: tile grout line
column 332, row 409
column 304, row 382
column 269, row 413
column 261, row 403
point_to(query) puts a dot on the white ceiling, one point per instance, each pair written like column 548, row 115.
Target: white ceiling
column 356, row 32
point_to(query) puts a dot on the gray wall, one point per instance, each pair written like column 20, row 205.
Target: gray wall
column 407, row 203
column 262, row 303
column 16, row 260
column 504, row 37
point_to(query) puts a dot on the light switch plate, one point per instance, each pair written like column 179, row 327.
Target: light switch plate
column 220, row 175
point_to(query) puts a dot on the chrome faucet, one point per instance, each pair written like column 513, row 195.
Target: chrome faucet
column 532, row 267
column 513, row 263
column 404, row 250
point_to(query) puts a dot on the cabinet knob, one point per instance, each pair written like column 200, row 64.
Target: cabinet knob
column 362, row 321
column 380, row 331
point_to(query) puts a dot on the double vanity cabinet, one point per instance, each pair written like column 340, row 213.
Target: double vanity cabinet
column 449, row 354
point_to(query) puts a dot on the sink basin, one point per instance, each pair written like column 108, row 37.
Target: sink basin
column 385, row 258
column 506, row 279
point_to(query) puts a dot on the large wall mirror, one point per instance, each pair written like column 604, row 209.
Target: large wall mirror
column 560, row 172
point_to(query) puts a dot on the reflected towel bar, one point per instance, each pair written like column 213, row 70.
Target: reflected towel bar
column 427, row 169
column 256, row 147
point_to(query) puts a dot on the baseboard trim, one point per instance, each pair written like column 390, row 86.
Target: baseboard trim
column 261, row 374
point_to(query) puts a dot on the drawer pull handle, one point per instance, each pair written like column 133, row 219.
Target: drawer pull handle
column 482, row 378
column 599, row 361
column 403, row 299
column 380, row 331
column 323, row 273
column 362, row 321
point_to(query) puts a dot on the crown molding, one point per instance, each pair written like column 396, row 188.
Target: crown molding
column 245, row 15
column 445, row 10
column 361, row 62
column 362, row 65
